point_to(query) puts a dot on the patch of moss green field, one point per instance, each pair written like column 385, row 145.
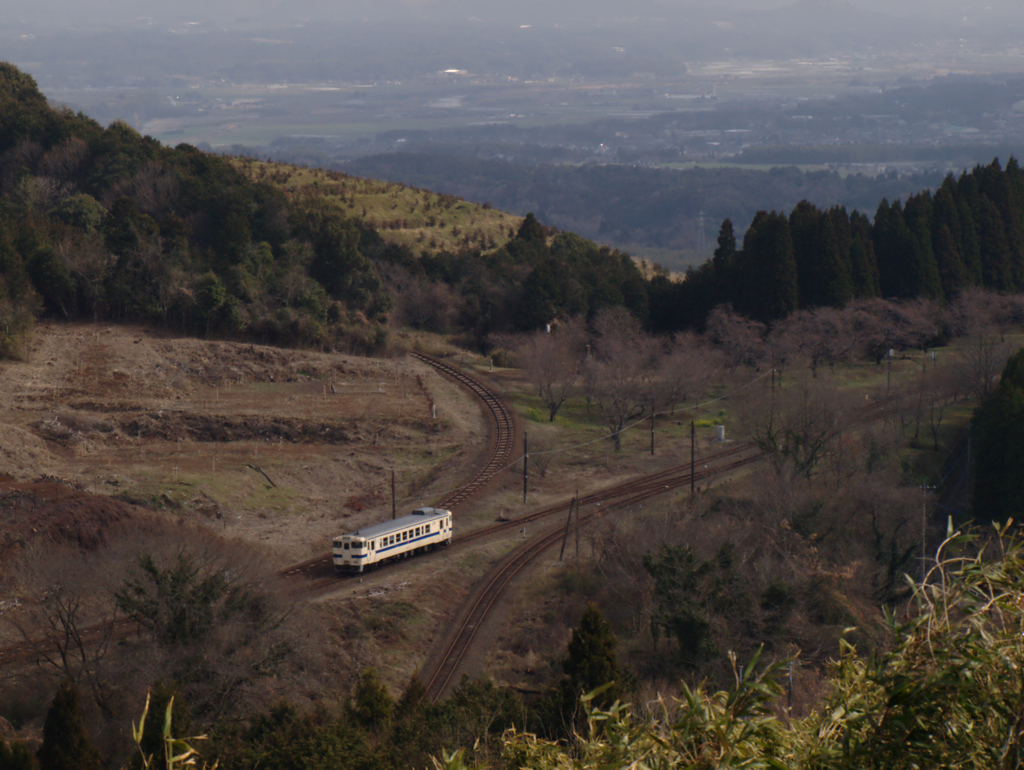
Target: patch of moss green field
column 576, row 433
column 406, row 216
column 235, row 489
column 397, row 618
column 250, row 493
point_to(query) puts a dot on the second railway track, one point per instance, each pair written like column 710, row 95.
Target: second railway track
column 489, row 590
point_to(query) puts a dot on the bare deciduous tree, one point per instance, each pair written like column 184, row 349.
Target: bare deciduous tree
column 151, row 187
column 90, row 263
column 64, row 616
column 822, row 336
column 619, row 370
column 685, row 371
column 982, row 355
column 64, row 160
column 739, row 338
column 883, row 325
column 554, row 363
column 799, row 425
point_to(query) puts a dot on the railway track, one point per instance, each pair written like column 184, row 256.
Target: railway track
column 493, row 585
column 644, row 486
column 321, row 569
column 623, row 495
column 503, row 436
column 502, row 439
column 501, row 447
column 74, row 644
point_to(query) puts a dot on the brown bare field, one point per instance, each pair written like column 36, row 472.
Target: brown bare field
column 182, row 425
column 117, row 441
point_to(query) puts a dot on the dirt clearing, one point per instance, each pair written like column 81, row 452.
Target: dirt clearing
column 279, row 446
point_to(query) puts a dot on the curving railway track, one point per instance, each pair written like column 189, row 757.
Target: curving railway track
column 502, row 439
column 503, row 436
column 438, row 678
column 456, row 646
column 321, row 569
column 73, row 643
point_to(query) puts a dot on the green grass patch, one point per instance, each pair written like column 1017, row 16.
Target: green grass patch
column 392, row 618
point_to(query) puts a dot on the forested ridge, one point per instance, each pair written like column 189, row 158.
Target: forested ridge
column 107, row 224
column 968, row 233
column 102, row 223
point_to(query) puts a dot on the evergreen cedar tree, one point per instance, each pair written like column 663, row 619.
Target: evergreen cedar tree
column 591, row 661
column 998, row 492
column 969, row 233
column 66, row 743
column 372, row 704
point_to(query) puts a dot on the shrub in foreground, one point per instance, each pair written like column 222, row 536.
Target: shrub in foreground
column 945, row 692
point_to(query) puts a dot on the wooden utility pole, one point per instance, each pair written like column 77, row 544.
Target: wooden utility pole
column 577, row 524
column 565, row 536
column 526, row 465
column 693, row 456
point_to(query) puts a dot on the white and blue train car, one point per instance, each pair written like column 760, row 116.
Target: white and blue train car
column 425, row 529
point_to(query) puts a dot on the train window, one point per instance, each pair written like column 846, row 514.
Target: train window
column 405, row 536
column 346, row 546
column 417, row 532
column 428, row 528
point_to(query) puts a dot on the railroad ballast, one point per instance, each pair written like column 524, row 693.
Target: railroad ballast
column 424, row 529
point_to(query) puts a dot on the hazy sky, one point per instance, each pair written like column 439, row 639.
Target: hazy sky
column 105, row 12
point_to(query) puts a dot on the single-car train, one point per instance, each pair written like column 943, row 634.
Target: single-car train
column 424, row 529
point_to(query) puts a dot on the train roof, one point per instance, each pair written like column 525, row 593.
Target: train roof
column 417, row 517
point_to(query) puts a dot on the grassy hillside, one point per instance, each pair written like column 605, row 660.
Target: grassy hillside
column 402, row 215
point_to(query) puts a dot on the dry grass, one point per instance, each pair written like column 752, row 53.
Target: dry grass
column 418, row 219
